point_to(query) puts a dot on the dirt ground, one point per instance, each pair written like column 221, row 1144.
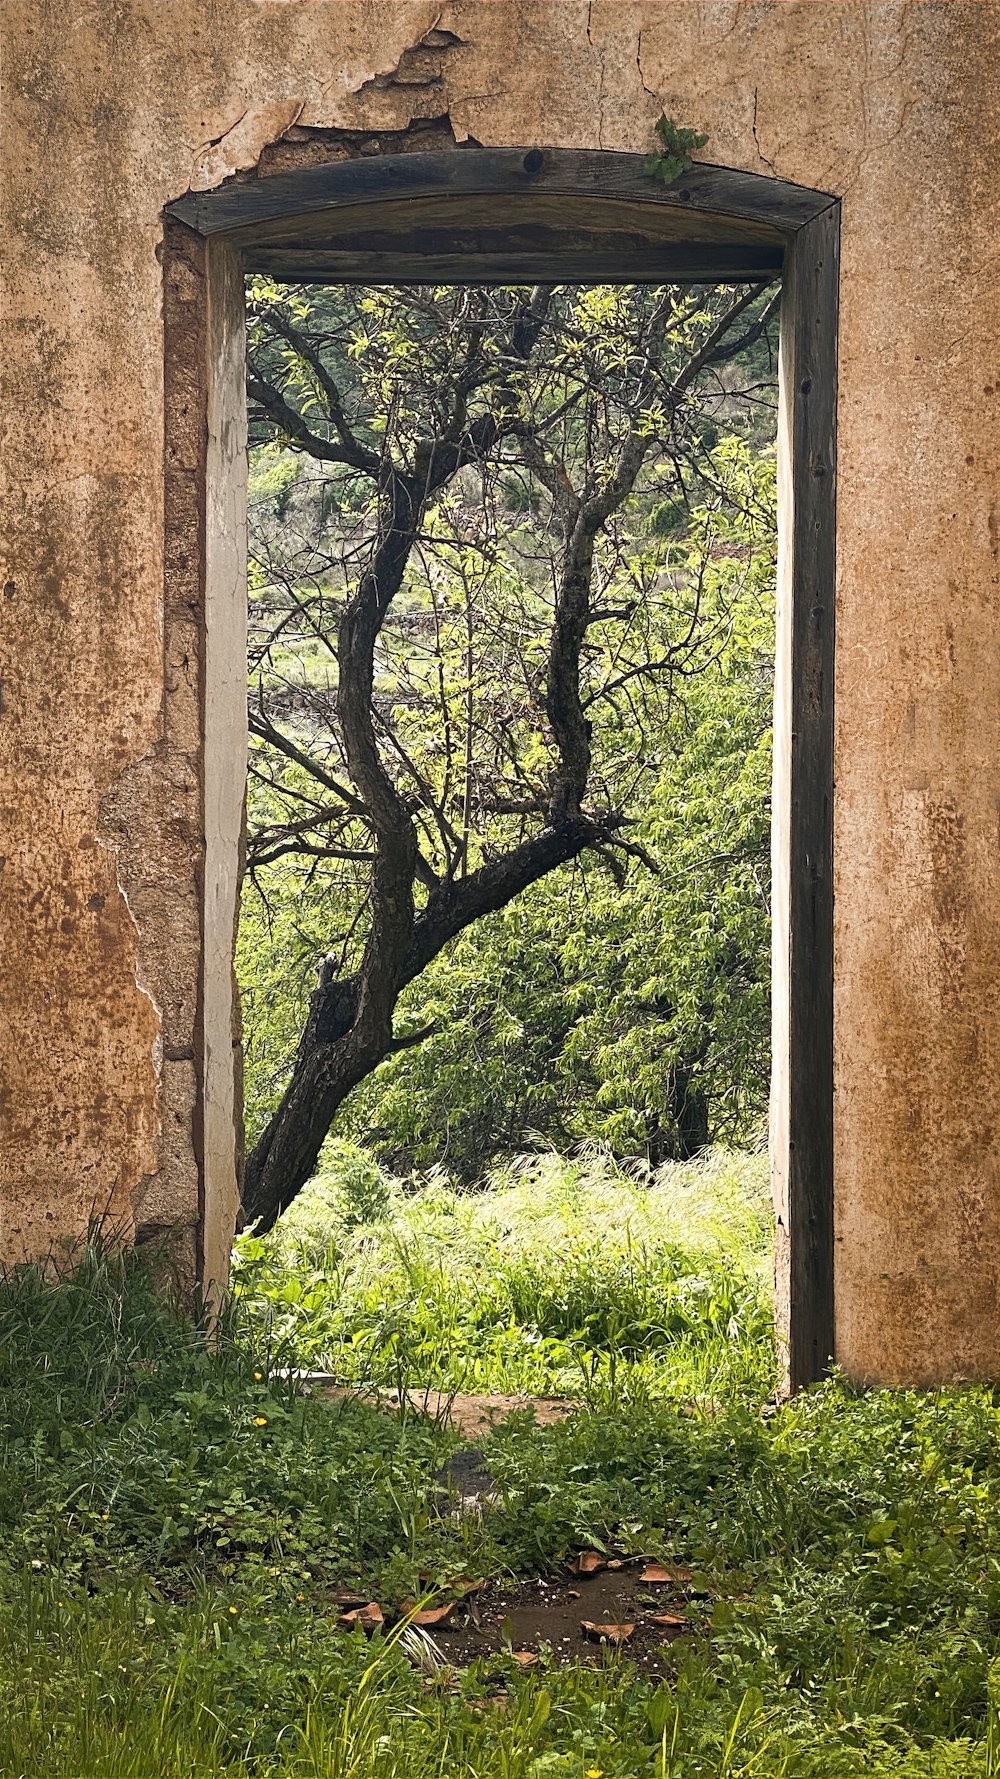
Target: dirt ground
column 470, row 1415
column 595, row 1608
column 547, row 1616
column 633, row 1607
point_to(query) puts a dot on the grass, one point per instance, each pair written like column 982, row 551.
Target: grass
column 175, row 1519
column 560, row 1278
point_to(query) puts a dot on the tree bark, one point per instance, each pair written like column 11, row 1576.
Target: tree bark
column 340, row 1045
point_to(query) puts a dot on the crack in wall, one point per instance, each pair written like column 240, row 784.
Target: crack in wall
column 753, row 127
column 216, row 141
column 240, row 145
column 599, row 53
column 642, row 77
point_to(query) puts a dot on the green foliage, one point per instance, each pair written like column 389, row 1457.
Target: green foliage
column 668, row 516
column 174, row 1517
column 601, row 1010
column 274, row 475
column 674, row 158
column 591, row 1009
column 129, row 1442
column 548, row 1281
column 282, row 935
column 606, row 1004
column 348, row 1192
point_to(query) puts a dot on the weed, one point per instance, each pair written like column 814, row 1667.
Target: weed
column 176, row 1518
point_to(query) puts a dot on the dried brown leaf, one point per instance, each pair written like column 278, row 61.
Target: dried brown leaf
column 434, row 1615
column 347, row 1597
column 366, row 1616
column 589, row 1561
column 601, row 1633
column 656, row 1576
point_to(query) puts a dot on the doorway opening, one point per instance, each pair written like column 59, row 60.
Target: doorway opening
column 515, row 222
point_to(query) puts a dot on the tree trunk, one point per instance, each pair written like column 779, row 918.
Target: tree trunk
column 349, row 1028
column 349, row 1032
column 285, row 1157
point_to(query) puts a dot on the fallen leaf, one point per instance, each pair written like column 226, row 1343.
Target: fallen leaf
column 430, row 1615
column 616, row 1563
column 347, row 1597
column 655, row 1575
column 574, row 1593
column 525, row 1658
column 589, row 1561
column 605, row 1633
column 671, row 1620
column 464, row 1586
column 366, row 1616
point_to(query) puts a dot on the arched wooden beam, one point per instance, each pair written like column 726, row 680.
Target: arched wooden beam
column 472, row 215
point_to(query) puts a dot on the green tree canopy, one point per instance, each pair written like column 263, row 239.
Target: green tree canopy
column 513, row 621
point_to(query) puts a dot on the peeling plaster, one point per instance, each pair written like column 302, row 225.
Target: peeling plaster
column 242, row 143
column 362, row 77
column 419, row 67
column 895, row 105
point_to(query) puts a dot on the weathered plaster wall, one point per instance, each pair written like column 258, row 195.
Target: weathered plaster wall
column 114, row 107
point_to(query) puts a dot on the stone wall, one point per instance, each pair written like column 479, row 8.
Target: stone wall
column 111, row 109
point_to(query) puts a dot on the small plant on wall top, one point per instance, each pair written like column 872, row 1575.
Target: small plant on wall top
column 674, row 158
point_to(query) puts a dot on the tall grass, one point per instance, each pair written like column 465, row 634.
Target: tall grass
column 557, row 1278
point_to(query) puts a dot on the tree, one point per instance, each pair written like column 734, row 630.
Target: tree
column 635, row 1015
column 500, row 641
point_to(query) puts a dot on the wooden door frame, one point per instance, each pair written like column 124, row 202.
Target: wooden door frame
column 475, row 215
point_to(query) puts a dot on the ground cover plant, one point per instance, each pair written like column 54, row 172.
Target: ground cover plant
column 180, row 1527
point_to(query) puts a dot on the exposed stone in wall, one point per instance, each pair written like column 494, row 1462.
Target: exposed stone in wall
column 301, row 147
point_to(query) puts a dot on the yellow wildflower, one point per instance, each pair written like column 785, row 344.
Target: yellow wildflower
column 260, row 1421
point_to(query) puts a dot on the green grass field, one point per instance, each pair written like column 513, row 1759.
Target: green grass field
column 176, row 1518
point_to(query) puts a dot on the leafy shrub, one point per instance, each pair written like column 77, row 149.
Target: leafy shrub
column 348, row 1191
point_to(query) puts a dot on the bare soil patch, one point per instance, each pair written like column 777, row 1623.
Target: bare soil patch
column 471, row 1415
column 575, row 1616
column 548, row 1616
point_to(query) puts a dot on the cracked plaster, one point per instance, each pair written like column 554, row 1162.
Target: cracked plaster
column 109, row 113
